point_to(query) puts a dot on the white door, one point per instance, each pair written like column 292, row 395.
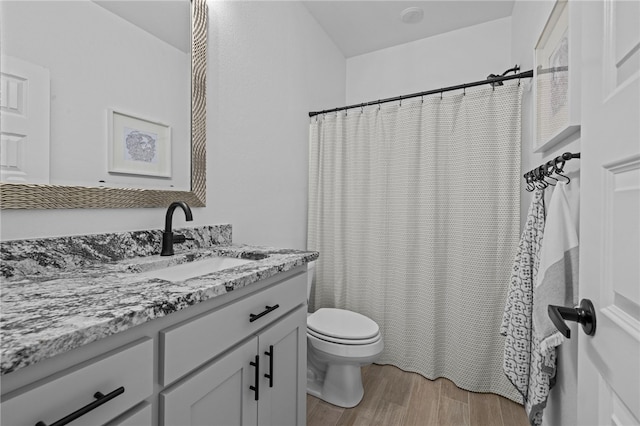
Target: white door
column 24, row 122
column 609, row 362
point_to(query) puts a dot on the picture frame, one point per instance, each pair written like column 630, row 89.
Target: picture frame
column 556, row 78
column 138, row 146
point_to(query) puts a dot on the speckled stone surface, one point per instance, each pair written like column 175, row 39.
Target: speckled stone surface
column 51, row 303
column 61, row 255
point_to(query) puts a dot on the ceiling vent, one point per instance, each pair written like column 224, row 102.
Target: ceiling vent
column 412, row 15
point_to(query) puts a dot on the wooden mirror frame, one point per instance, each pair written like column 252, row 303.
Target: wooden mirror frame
column 45, row 196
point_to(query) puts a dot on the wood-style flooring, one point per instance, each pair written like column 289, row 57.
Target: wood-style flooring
column 393, row 397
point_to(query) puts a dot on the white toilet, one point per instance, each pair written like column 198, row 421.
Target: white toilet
column 339, row 342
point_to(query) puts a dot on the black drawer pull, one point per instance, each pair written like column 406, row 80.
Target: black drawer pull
column 100, row 399
column 270, row 375
column 256, row 388
column 267, row 309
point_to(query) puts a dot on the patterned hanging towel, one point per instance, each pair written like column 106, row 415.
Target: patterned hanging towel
column 524, row 363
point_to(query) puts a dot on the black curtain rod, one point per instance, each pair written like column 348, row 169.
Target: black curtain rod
column 492, row 80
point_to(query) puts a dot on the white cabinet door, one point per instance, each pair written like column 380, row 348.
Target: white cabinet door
column 283, row 348
column 218, row 394
column 609, row 362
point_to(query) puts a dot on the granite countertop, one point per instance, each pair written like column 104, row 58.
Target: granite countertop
column 48, row 312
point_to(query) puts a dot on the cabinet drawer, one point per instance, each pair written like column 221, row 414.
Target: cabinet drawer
column 138, row 416
column 57, row 396
column 192, row 343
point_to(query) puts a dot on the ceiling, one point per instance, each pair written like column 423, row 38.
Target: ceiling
column 356, row 27
column 168, row 20
column 359, row 27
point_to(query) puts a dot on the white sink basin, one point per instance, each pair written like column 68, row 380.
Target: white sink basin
column 198, row 268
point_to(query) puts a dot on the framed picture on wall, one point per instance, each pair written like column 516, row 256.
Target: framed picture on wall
column 138, row 146
column 556, row 78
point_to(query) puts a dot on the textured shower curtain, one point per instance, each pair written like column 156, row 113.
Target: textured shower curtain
column 415, row 212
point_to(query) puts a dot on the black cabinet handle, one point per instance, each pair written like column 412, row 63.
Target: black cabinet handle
column 270, row 375
column 267, row 309
column 100, row 399
column 585, row 314
column 256, row 387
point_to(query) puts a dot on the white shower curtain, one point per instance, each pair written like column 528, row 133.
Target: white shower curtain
column 415, row 212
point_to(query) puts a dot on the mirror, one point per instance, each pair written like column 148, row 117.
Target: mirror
column 122, row 125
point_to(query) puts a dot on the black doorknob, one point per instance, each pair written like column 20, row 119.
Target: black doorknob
column 585, row 314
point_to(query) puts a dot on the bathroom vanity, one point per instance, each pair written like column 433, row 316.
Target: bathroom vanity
column 87, row 327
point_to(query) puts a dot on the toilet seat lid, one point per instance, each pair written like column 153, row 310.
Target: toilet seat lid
column 350, row 342
column 342, row 324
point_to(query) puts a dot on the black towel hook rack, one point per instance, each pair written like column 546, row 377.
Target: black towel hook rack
column 536, row 178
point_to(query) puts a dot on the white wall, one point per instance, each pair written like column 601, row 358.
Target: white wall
column 269, row 64
column 272, row 64
column 528, row 20
column 461, row 56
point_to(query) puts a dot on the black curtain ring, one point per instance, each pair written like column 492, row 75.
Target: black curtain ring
column 378, row 104
column 548, row 170
column 422, row 99
column 400, row 100
column 362, row 109
column 464, row 91
column 441, row 95
column 559, row 170
column 531, row 182
column 536, row 174
column 544, row 175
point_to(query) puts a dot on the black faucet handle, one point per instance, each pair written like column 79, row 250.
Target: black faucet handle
column 179, row 238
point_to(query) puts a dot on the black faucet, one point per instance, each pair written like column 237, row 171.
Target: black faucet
column 168, row 238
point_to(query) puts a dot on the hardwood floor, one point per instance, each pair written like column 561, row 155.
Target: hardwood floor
column 393, row 397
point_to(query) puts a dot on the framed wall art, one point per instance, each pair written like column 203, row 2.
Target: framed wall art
column 556, row 78
column 138, row 146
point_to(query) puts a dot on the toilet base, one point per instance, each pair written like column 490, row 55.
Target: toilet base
column 342, row 385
